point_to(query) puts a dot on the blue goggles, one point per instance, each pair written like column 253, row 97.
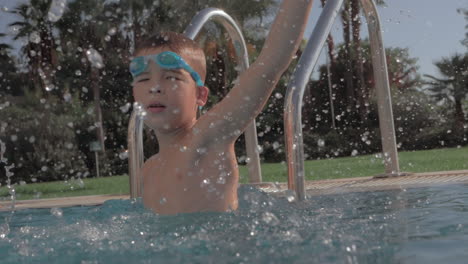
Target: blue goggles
column 166, row 60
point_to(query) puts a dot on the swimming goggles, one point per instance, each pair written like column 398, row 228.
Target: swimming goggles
column 166, row 60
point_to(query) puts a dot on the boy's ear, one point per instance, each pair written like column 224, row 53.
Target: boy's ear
column 202, row 95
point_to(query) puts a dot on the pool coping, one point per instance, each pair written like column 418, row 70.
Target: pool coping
column 316, row 187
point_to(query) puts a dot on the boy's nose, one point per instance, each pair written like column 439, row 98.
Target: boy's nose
column 155, row 89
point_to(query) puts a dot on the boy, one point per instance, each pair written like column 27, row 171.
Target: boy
column 196, row 168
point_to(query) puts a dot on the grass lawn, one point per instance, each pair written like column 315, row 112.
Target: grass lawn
column 368, row 165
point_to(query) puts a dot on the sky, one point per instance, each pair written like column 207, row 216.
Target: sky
column 430, row 29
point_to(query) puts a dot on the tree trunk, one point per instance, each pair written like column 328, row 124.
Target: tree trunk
column 330, row 45
column 361, row 90
column 97, row 107
column 459, row 117
column 348, row 74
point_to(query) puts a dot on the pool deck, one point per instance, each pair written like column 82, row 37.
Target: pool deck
column 320, row 187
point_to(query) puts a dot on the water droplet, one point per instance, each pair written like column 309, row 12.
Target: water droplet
column 270, row 218
column 32, row 139
column 201, row 150
column 221, row 180
column 57, row 7
column 276, row 145
column 14, row 138
column 321, row 143
column 354, row 152
column 123, row 155
column 94, row 58
column 163, row 200
column 67, row 97
column 34, row 37
column 183, row 149
column 278, row 95
column 112, row 31
column 290, row 198
column 78, row 73
column 57, row 212
column 205, row 182
column 49, row 87
column 125, row 108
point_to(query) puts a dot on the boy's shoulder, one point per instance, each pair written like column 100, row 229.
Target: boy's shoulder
column 151, row 162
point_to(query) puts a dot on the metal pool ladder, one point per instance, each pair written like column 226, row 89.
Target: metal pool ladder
column 135, row 127
column 294, row 94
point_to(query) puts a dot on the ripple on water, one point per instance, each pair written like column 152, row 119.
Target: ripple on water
column 417, row 225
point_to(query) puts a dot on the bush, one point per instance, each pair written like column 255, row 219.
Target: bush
column 41, row 138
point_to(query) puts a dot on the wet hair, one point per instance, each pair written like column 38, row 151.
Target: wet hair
column 177, row 43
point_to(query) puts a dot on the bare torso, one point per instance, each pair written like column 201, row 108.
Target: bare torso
column 191, row 177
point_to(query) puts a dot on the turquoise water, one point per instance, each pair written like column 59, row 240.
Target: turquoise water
column 421, row 225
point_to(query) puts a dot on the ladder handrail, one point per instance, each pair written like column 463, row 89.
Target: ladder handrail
column 135, row 128
column 294, row 94
column 384, row 97
column 300, row 78
column 135, row 150
column 221, row 17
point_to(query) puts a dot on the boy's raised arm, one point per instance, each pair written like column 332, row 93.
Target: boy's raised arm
column 247, row 98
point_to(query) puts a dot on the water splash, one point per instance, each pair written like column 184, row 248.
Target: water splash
column 11, row 189
column 5, row 227
column 140, row 110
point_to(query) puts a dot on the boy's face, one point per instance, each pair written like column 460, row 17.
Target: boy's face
column 169, row 96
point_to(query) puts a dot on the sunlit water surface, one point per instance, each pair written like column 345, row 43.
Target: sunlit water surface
column 422, row 225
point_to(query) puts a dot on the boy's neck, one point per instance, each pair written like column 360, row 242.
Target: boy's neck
column 169, row 138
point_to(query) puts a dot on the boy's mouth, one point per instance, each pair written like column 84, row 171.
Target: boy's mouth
column 156, row 107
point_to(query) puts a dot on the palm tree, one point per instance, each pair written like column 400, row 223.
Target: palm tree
column 84, row 28
column 3, row 46
column 348, row 75
column 464, row 11
column 356, row 90
column 330, row 44
column 453, row 86
column 7, row 66
column 40, row 51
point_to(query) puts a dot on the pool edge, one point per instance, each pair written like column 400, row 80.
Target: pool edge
column 316, row 187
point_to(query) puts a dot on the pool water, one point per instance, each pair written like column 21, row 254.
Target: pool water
column 420, row 225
